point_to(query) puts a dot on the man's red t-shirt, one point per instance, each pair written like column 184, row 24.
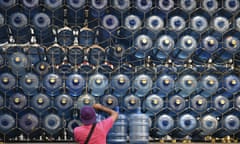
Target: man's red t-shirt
column 99, row 134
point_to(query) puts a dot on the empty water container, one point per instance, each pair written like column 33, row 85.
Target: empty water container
column 121, row 5
column 42, row 68
column 177, row 103
column 186, row 85
column 29, row 83
column 65, row 36
column 143, row 5
column 199, row 103
column 52, row 123
column 110, row 22
column 18, row 63
column 110, row 101
column 98, row 84
column 75, row 55
column 139, row 128
column 142, row 84
column 85, row 100
column 221, row 103
column 120, row 85
column 63, row 102
column 132, row 22
column 20, row 28
column 165, row 84
column 40, row 102
column 164, row 124
column 153, row 104
column 119, row 132
column 187, row 122
column 29, row 122
column 188, row 5
column 131, row 103
column 43, row 29
column 17, row 101
column 75, row 83
column 7, row 122
column 166, row 5
column 209, row 124
column 86, row 37
column 7, row 82
column 231, row 83
column 143, row 44
column 35, row 54
column 210, row 5
column 55, row 55
column 52, row 83
column 209, row 85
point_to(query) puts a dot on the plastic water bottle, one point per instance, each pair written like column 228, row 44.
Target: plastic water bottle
column 221, row 24
column 98, row 84
column 166, row 5
column 187, row 122
column 199, row 103
column 177, row 103
column 142, row 84
column 7, row 82
column 7, row 3
column 121, row 5
column 18, row 63
column 210, row 5
column 132, row 22
column 221, row 103
column 29, row 122
column 20, row 28
column 163, row 47
column 40, row 102
column 65, row 36
column 188, row 5
column 42, row 68
column 153, row 104
column 143, row 5
column 75, row 12
column 75, row 84
column 231, row 5
column 138, row 128
column 7, row 122
column 96, row 54
column 110, row 101
column 143, row 45
column 177, row 23
column 131, row 103
column 52, row 83
column 186, row 84
column 56, row 11
column 35, row 54
column 17, row 101
column 209, row 85
column 55, row 55
column 85, row 100
column 63, row 102
column 75, row 55
column 119, row 132
column 231, row 123
column 165, row 84
column 110, row 22
column 86, row 37
column 209, row 124
column 52, row 123
column 199, row 23
column 3, row 30
column 231, row 82
column 120, row 85
column 164, row 124
column 43, row 29
column 29, row 83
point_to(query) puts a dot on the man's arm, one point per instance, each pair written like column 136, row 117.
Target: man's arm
column 112, row 113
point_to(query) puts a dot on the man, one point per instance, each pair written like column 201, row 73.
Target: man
column 88, row 118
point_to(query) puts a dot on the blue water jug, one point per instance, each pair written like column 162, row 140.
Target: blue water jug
column 143, row 44
column 65, row 36
column 166, row 5
column 165, row 84
column 18, row 63
column 131, row 103
column 35, row 54
column 52, row 123
column 75, row 84
column 143, row 5
column 110, row 22
column 75, row 12
column 119, row 132
column 121, row 5
column 231, row 5
column 199, row 103
column 42, row 29
column 98, row 84
column 209, row 85
column 188, row 5
column 110, row 101
column 75, row 55
column 73, row 124
column 120, row 85
column 177, row 103
column 209, row 124
column 221, row 103
column 7, row 122
column 132, row 22
column 210, row 5
column 85, row 100
column 29, row 122
column 86, row 37
column 164, row 124
column 186, row 84
column 139, row 128
column 142, row 84
column 52, row 83
column 42, row 68
column 231, row 82
column 7, row 81
column 7, row 4
column 153, row 104
column 40, row 102
column 29, row 83
column 187, row 122
column 17, row 101
column 55, row 55
column 63, row 102
column 231, row 123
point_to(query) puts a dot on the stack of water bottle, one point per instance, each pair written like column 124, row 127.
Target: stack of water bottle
column 170, row 67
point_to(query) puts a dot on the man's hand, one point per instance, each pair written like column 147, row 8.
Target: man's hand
column 97, row 106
